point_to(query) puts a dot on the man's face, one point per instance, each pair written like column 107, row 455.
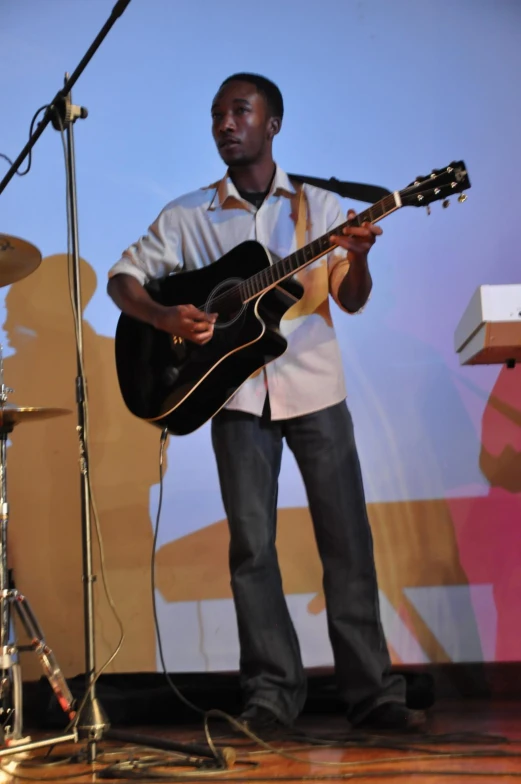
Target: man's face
column 241, row 126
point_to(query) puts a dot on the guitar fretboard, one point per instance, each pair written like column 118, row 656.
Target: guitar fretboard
column 270, row 276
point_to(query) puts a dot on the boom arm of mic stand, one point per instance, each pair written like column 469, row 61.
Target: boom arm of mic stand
column 117, row 11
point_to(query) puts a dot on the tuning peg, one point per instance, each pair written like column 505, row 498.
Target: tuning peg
column 428, row 209
column 445, row 203
column 462, row 197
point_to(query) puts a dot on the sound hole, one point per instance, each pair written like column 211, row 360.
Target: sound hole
column 225, row 299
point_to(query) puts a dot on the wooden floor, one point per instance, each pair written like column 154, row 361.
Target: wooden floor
column 464, row 741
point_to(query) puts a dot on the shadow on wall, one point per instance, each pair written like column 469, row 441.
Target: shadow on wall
column 44, row 479
column 415, row 547
column 489, row 529
column 450, row 568
column 419, row 545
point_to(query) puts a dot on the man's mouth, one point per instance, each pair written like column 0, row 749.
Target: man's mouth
column 228, row 143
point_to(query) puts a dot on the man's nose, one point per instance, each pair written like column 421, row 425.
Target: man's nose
column 227, row 122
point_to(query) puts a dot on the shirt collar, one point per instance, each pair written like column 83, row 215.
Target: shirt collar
column 225, row 190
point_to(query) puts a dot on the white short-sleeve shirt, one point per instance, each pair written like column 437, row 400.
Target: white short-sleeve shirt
column 200, row 227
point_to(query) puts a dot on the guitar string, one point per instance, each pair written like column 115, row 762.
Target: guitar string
column 240, row 288
column 286, row 265
column 373, row 213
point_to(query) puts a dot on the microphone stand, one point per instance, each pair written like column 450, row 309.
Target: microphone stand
column 91, row 722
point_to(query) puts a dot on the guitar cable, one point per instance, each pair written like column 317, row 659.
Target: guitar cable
column 29, row 161
column 179, row 695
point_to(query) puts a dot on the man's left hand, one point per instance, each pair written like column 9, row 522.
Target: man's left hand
column 357, row 240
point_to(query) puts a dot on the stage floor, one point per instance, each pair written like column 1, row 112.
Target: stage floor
column 464, row 741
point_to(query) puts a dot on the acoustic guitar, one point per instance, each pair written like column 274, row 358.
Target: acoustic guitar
column 179, row 385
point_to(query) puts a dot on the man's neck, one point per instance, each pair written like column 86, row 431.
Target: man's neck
column 253, row 179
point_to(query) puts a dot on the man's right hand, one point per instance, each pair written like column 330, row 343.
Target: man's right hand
column 187, row 322
column 184, row 321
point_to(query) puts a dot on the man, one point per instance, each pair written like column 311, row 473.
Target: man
column 299, row 397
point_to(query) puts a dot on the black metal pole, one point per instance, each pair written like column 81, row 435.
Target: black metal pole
column 92, row 721
column 117, row 11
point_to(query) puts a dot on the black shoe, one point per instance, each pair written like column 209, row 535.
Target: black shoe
column 260, row 720
column 393, row 716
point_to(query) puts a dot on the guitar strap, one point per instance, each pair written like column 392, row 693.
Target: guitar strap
column 300, row 211
column 315, row 299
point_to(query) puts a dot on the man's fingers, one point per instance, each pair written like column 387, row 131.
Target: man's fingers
column 366, row 230
column 191, row 313
column 202, row 326
column 200, row 318
column 202, row 337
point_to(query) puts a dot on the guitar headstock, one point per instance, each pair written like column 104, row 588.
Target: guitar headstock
column 440, row 184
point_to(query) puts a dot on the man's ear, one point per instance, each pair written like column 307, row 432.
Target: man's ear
column 274, row 126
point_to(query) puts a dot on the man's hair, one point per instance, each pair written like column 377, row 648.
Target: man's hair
column 265, row 87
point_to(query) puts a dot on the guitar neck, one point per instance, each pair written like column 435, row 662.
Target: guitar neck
column 270, row 276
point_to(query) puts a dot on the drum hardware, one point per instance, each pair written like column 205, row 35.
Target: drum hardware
column 11, row 600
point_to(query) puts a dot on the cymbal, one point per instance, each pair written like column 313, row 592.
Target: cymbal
column 14, row 415
column 18, row 259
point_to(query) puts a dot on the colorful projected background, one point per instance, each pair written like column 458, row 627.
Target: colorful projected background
column 375, row 92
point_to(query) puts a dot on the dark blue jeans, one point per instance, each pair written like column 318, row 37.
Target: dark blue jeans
column 248, row 450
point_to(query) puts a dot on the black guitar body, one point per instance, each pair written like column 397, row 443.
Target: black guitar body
column 175, row 383
column 179, row 385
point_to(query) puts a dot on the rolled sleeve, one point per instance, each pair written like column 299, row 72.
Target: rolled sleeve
column 154, row 255
column 337, row 261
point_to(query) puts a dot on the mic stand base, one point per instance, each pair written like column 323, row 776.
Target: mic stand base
column 20, row 748
column 93, row 723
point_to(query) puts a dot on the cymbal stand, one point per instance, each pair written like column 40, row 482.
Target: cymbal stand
column 11, row 599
